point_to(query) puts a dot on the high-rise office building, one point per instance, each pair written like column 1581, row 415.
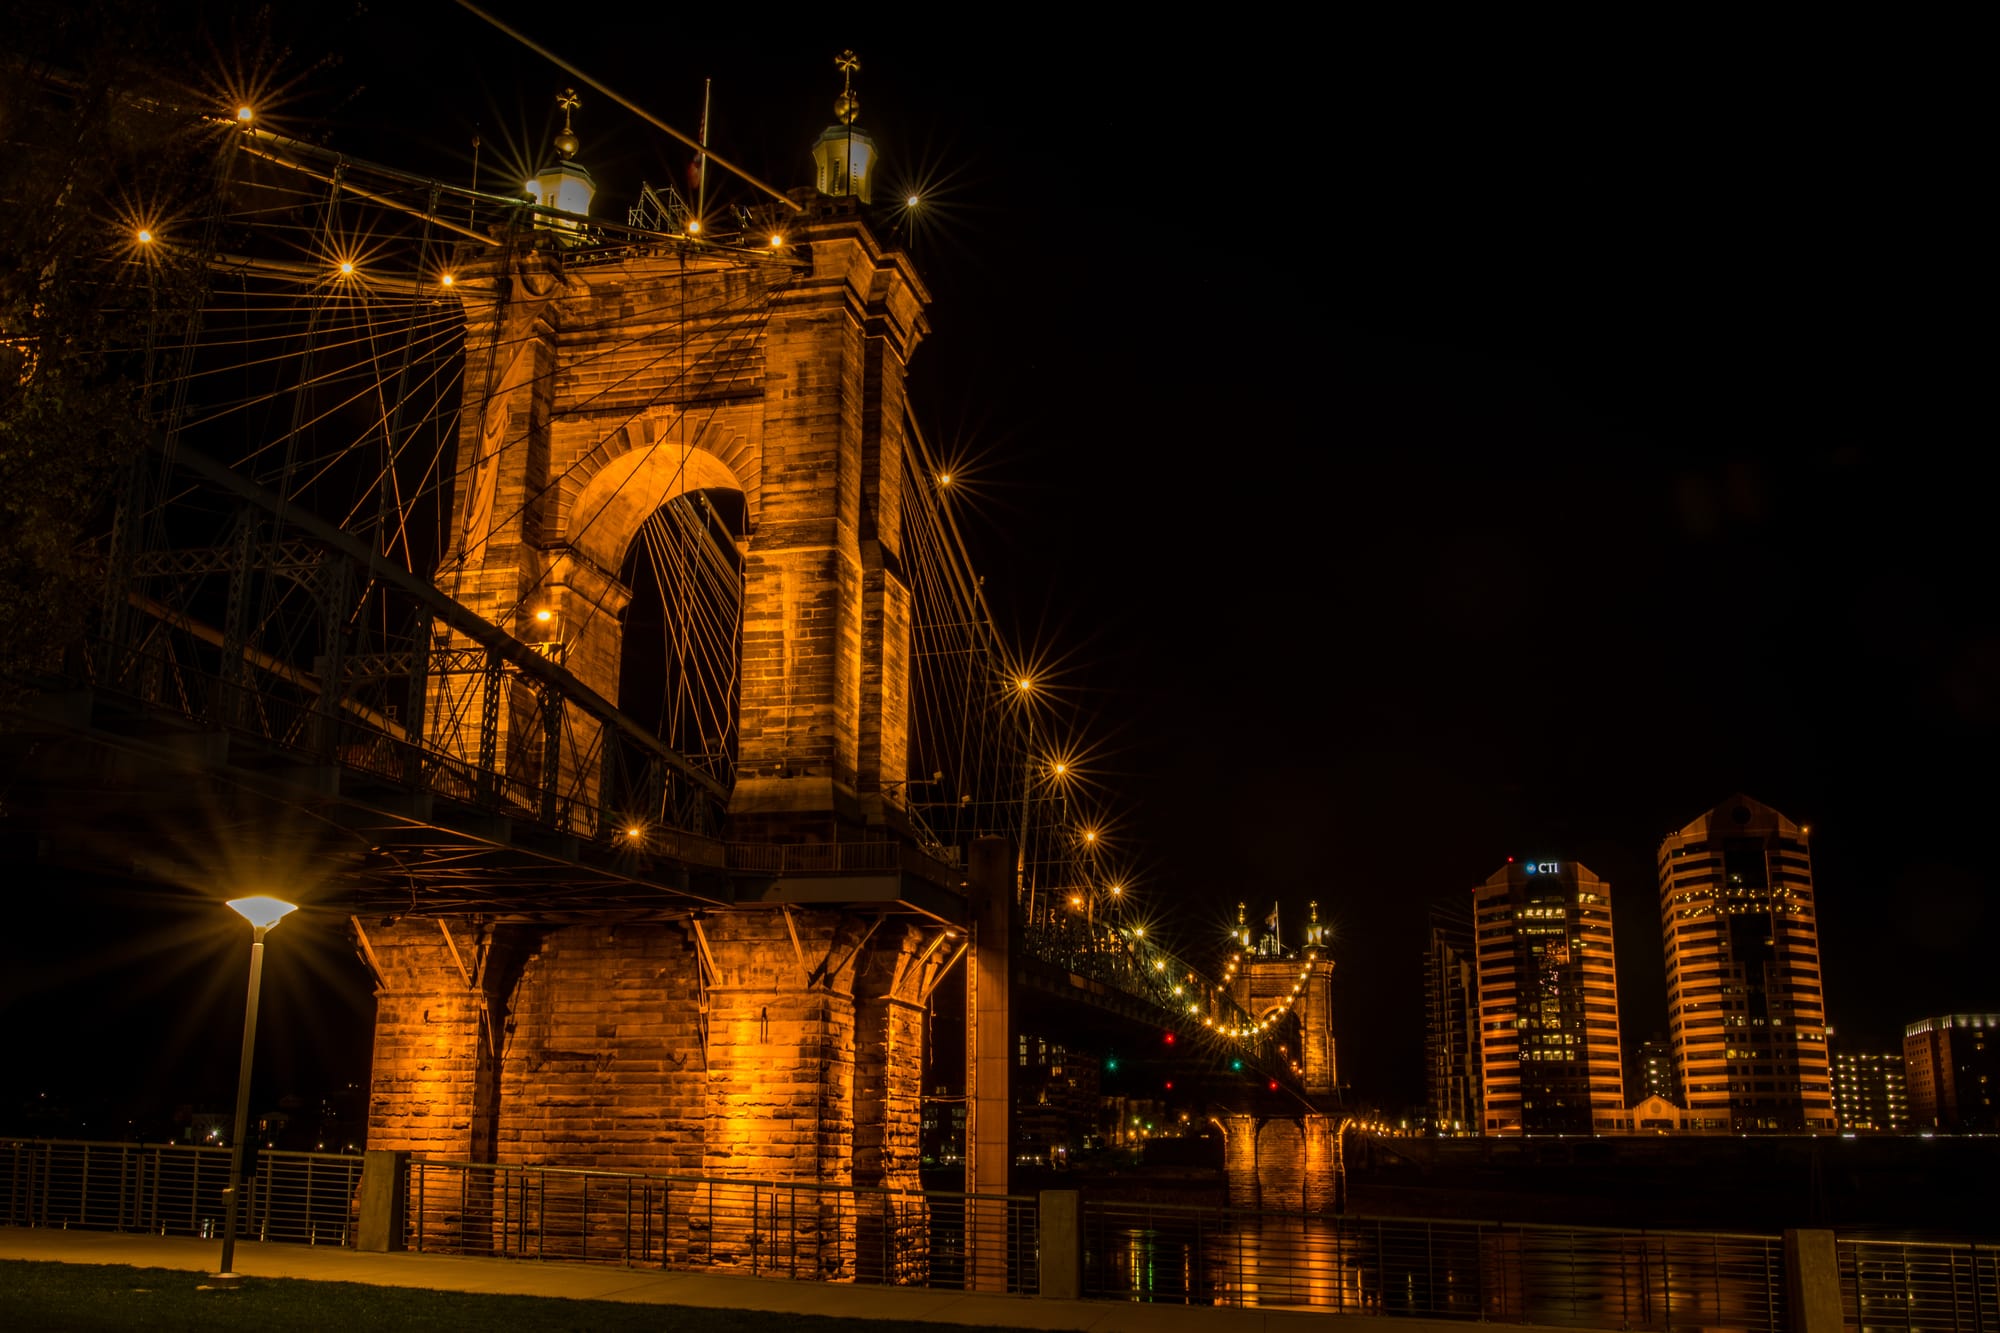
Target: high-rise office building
column 1548, row 1001
column 1745, row 1010
column 1451, row 1024
column 1868, row 1092
column 1651, row 1073
column 1953, row 1065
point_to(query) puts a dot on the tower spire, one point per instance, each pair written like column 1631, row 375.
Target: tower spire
column 566, row 142
column 564, row 184
column 844, row 155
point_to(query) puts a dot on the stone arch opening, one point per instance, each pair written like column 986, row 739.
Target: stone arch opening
column 682, row 637
column 649, row 577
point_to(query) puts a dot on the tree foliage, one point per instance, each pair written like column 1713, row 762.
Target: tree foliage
column 95, row 145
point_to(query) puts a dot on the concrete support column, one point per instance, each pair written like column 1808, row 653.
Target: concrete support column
column 989, row 1058
column 1059, row 1237
column 382, row 1202
column 1812, row 1281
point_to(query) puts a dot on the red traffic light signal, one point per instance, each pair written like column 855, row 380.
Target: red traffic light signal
column 1274, row 1085
column 1168, row 1038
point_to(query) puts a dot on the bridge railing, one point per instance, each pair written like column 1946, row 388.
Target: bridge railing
column 605, row 786
column 1899, row 1284
column 176, row 1190
column 278, row 624
column 1508, row 1273
column 753, row 1227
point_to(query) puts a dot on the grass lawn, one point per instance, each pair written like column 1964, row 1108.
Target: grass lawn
column 36, row 1296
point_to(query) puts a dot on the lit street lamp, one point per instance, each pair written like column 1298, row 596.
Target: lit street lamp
column 262, row 914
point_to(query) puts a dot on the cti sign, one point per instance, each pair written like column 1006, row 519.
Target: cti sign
column 1543, row 867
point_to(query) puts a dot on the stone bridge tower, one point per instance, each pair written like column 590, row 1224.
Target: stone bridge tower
column 1292, row 988
column 599, row 391
column 773, row 1042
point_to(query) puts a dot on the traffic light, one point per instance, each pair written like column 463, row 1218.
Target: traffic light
column 1236, row 1066
column 1168, row 1038
column 1111, row 1064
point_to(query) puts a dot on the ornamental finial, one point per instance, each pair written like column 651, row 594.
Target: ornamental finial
column 566, row 142
column 848, row 105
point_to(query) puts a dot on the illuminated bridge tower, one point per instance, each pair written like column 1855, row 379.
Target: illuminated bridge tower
column 764, row 384
column 715, row 1028
column 1548, row 1001
column 1744, row 1003
column 1292, row 990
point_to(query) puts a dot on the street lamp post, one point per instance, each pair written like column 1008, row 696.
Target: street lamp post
column 262, row 914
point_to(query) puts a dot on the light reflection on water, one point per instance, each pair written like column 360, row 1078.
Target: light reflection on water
column 1450, row 1270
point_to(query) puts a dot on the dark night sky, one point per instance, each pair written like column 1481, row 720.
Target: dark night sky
column 1425, row 446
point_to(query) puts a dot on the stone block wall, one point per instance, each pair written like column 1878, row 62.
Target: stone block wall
column 602, row 1060
column 597, row 393
column 784, row 1054
column 433, row 1084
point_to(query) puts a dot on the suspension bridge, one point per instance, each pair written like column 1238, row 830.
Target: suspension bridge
column 584, row 596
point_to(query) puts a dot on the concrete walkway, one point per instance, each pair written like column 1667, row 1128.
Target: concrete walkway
column 602, row 1282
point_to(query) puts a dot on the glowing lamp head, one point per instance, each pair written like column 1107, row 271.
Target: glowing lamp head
column 346, row 268
column 544, row 616
column 913, row 200
column 777, row 241
column 263, row 913
column 1117, row 890
column 1023, row 684
column 632, row 832
column 245, row 115
column 694, row 226
column 944, row 478
column 145, row 236
column 447, row 279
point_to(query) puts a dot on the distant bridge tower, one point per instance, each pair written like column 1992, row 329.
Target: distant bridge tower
column 1288, row 987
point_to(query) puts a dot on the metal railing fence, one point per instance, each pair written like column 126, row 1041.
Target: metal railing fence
column 1898, row 1284
column 1576, row 1277
column 1487, row 1271
column 760, row 1228
column 175, row 1190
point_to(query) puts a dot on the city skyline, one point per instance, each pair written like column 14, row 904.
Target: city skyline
column 1543, row 489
